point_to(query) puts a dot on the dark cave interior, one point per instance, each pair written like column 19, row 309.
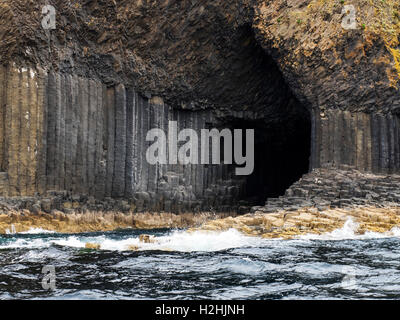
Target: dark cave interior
column 282, row 125
column 281, row 157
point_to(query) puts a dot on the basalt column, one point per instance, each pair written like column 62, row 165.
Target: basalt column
column 367, row 142
column 66, row 133
column 21, row 129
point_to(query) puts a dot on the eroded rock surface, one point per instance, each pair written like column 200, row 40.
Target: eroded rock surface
column 328, row 66
column 92, row 221
column 309, row 221
column 194, row 50
column 327, row 188
column 319, row 95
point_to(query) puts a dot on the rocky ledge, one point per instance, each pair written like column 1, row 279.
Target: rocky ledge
column 327, row 188
column 321, row 202
column 93, row 221
column 308, row 221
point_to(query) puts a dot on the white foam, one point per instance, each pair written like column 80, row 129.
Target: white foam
column 36, row 231
column 198, row 241
column 176, row 241
column 26, row 243
column 181, row 241
column 203, row 241
column 72, row 241
column 396, row 231
column 349, row 232
column 11, row 230
column 30, row 231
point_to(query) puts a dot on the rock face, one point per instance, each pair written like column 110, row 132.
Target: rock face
column 329, row 66
column 77, row 101
column 310, row 222
column 365, row 141
column 91, row 221
column 85, row 138
column 333, row 188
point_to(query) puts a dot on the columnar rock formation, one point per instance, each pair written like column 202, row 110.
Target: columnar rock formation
column 333, row 188
column 76, row 102
column 367, row 142
column 63, row 132
column 22, row 122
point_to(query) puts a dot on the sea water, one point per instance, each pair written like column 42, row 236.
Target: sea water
column 200, row 265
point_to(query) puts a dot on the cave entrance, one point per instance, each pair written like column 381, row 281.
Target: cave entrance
column 281, row 157
column 282, row 123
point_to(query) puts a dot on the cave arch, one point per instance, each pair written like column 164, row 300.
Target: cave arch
column 282, row 125
column 281, row 157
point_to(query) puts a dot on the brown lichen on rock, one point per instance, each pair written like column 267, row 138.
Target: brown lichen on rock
column 308, row 221
column 327, row 65
column 93, row 246
column 145, row 238
column 99, row 221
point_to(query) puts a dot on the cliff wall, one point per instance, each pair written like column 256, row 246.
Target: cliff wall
column 367, row 142
column 77, row 101
column 67, row 133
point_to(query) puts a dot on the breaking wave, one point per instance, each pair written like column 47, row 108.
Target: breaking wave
column 179, row 241
column 349, row 232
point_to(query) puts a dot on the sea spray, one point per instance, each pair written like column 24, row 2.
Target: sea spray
column 180, row 240
column 11, row 230
column 349, row 231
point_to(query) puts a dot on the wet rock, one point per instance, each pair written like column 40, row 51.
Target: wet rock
column 57, row 214
column 46, row 205
column 124, row 206
column 94, row 246
column 35, row 208
column 145, row 238
column 67, row 205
